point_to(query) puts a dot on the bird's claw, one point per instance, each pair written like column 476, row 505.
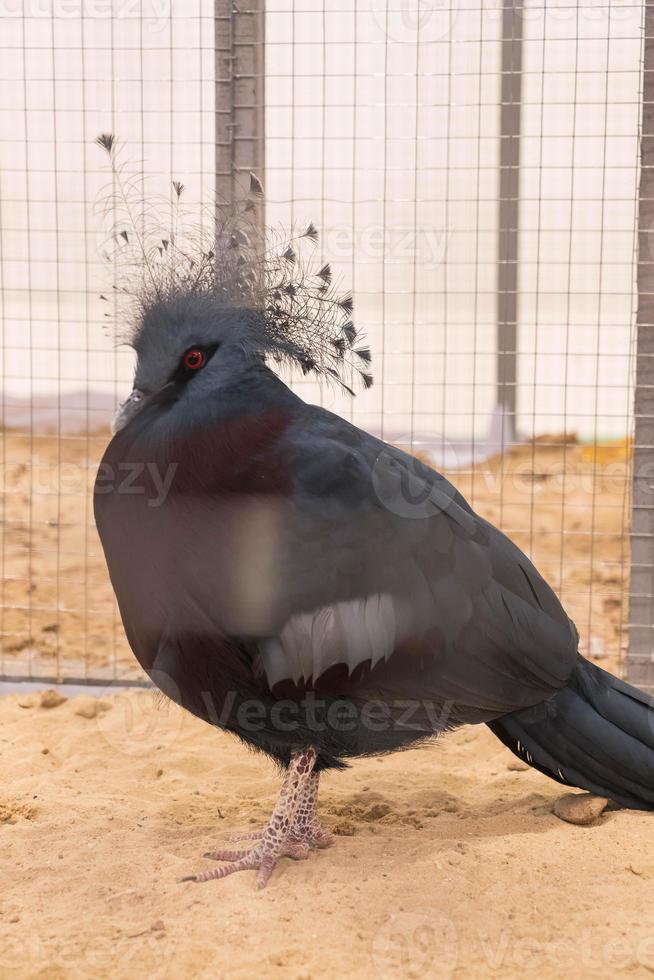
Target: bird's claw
column 315, row 836
column 252, row 835
column 312, row 834
column 261, row 859
column 293, row 831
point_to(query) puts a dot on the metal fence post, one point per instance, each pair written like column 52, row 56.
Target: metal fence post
column 240, row 90
column 507, row 272
column 640, row 658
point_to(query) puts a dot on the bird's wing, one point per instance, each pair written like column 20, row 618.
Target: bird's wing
column 390, row 571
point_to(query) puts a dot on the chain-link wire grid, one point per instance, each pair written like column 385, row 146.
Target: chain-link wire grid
column 386, row 124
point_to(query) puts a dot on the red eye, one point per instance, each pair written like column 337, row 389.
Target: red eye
column 193, row 359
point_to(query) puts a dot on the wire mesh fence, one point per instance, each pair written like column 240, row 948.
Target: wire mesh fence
column 474, row 172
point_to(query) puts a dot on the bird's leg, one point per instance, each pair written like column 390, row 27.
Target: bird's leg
column 279, row 839
column 306, row 828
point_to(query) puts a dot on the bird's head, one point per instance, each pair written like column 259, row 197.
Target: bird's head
column 201, row 303
column 187, row 346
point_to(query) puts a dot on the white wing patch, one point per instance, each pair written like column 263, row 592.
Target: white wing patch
column 347, row 632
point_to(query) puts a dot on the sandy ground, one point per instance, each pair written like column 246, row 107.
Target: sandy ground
column 58, row 614
column 567, row 505
column 447, row 863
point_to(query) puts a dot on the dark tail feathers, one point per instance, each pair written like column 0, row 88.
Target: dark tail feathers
column 597, row 733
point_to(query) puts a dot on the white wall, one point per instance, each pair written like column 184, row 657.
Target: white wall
column 65, row 79
column 382, row 128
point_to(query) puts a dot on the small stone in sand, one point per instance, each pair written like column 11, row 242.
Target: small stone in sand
column 52, row 699
column 517, row 765
column 90, row 707
column 580, row 808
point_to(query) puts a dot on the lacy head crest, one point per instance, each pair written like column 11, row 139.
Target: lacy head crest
column 298, row 316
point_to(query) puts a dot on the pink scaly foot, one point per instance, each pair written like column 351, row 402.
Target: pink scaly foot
column 305, row 829
column 292, row 832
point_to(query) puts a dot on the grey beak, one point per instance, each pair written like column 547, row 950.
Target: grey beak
column 127, row 410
